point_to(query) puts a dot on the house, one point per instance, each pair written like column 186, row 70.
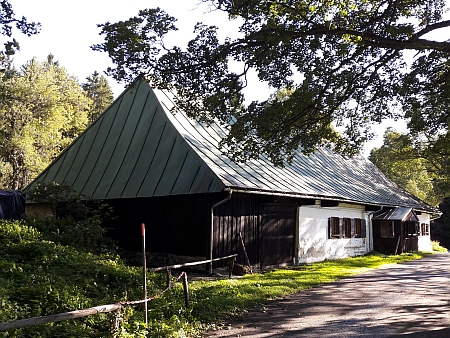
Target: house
column 164, row 169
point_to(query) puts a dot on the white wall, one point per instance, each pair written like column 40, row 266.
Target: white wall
column 424, row 240
column 313, row 244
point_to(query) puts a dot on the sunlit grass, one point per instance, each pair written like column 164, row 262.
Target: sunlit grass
column 216, row 300
column 437, row 247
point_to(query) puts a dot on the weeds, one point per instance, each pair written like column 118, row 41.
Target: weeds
column 41, row 277
column 436, row 246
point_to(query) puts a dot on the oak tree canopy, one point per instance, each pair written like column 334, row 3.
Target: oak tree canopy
column 8, row 21
column 344, row 63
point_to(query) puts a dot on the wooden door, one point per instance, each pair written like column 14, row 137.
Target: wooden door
column 277, row 234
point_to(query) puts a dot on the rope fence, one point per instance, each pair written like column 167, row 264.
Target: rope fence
column 116, row 307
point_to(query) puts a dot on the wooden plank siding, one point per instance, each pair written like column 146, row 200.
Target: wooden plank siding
column 389, row 245
column 277, row 234
column 177, row 225
column 238, row 215
column 267, row 227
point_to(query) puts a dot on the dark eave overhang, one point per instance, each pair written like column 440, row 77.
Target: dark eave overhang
column 433, row 211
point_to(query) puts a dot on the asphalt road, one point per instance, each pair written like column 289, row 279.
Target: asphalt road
column 411, row 299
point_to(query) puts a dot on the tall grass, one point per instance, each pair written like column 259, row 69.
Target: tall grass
column 40, row 277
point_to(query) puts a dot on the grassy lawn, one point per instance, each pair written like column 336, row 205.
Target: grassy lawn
column 39, row 277
column 214, row 301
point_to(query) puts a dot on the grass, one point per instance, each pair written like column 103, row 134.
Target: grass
column 41, row 277
column 436, row 246
column 215, row 301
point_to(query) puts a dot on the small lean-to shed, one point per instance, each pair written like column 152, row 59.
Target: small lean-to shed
column 397, row 230
column 155, row 165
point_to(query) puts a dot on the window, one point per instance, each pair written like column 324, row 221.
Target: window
column 425, row 229
column 387, row 229
column 334, row 231
column 358, row 229
column 411, row 229
column 347, row 228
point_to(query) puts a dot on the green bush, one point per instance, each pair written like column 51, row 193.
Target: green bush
column 39, row 277
column 13, row 232
column 87, row 235
column 436, row 246
column 76, row 220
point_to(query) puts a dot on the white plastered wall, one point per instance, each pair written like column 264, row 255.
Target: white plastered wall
column 424, row 241
column 313, row 244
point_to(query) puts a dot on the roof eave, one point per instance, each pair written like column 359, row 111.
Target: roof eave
column 323, row 198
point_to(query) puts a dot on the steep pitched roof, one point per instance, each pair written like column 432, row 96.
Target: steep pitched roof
column 138, row 148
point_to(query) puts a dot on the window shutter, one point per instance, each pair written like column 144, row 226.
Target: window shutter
column 363, row 228
column 341, row 228
column 352, row 226
column 329, row 227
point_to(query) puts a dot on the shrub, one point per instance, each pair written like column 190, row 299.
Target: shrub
column 436, row 246
column 76, row 221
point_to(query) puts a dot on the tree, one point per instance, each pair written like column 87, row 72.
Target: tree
column 401, row 161
column 440, row 229
column 98, row 90
column 415, row 168
column 344, row 62
column 7, row 21
column 42, row 110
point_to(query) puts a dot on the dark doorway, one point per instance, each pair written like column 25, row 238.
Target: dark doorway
column 277, row 234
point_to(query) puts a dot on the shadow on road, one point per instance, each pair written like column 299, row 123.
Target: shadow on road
column 409, row 299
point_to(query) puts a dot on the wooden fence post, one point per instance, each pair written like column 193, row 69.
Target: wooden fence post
column 116, row 322
column 169, row 274
column 230, row 273
column 185, row 289
column 144, row 273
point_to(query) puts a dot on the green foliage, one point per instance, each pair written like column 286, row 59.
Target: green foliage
column 39, row 277
column 343, row 60
column 98, row 90
column 76, row 220
column 440, row 228
column 8, row 20
column 436, row 246
column 42, row 110
column 66, row 202
column 401, row 160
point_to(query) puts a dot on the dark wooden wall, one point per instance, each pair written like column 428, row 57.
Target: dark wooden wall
column 174, row 224
column 239, row 215
column 180, row 225
column 266, row 223
column 389, row 245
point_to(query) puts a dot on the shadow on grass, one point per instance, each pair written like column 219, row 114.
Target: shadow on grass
column 216, row 300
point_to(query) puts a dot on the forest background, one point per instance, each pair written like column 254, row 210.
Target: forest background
column 43, row 107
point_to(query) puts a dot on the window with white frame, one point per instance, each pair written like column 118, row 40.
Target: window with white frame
column 346, row 227
column 334, row 227
column 425, row 227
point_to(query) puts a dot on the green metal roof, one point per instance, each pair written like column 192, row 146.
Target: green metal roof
column 132, row 150
column 138, row 148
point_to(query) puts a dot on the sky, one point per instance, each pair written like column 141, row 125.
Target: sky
column 69, row 28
